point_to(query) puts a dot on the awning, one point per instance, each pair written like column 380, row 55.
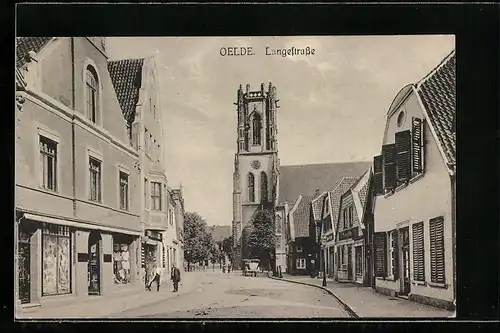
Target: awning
column 76, row 224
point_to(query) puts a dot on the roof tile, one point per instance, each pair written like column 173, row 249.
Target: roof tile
column 126, row 76
column 437, row 92
column 27, row 44
column 301, row 217
column 306, row 179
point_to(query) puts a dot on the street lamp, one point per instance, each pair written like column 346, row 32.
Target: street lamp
column 323, row 241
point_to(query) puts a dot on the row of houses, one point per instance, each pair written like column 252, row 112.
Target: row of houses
column 387, row 224
column 94, row 210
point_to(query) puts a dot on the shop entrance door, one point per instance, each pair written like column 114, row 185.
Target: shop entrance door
column 24, row 271
column 405, row 262
column 94, row 266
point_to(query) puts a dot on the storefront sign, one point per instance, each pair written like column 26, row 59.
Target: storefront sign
column 154, row 235
column 349, row 233
column 83, row 257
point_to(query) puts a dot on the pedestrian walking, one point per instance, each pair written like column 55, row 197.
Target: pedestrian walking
column 229, row 267
column 175, row 277
column 157, row 274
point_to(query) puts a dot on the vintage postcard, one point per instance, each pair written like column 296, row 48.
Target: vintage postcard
column 235, row 177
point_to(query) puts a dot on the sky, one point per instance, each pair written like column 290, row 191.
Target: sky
column 332, row 104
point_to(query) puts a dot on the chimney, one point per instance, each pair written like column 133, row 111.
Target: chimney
column 316, row 193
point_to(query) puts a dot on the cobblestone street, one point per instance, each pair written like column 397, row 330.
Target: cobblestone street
column 235, row 296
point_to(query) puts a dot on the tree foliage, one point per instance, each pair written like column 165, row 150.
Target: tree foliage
column 261, row 234
column 228, row 246
column 197, row 242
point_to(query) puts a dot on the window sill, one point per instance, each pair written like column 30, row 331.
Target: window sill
column 419, row 283
column 391, row 279
column 417, row 177
column 438, row 285
column 123, row 210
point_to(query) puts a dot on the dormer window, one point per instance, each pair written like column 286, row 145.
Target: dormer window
column 92, row 94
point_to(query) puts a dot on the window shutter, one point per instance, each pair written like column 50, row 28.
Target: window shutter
column 436, row 230
column 395, row 254
column 403, row 157
column 416, row 143
column 389, row 158
column 418, row 252
column 378, row 179
column 380, row 254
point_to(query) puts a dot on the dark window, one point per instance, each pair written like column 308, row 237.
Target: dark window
column 263, row 187
column 380, row 243
column 418, row 252
column 48, row 163
column 123, row 191
column 257, row 127
column 92, row 86
column 436, row 233
column 95, row 179
column 378, row 179
column 156, row 196
column 56, row 260
column 251, row 187
column 389, row 157
column 403, row 156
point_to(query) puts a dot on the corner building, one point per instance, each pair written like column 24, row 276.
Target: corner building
column 78, row 173
column 256, row 163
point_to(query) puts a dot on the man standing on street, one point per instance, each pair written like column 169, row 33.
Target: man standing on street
column 175, row 277
column 156, row 279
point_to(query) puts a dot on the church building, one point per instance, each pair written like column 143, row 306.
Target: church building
column 256, row 163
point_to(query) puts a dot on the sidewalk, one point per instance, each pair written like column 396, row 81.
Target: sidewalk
column 102, row 306
column 366, row 303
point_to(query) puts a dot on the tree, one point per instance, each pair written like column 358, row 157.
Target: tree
column 196, row 242
column 261, row 238
column 227, row 247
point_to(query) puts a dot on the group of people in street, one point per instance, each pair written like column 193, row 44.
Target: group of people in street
column 175, row 276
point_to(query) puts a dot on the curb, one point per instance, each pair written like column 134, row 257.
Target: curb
column 346, row 307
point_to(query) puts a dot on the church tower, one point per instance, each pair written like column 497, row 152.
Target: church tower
column 256, row 164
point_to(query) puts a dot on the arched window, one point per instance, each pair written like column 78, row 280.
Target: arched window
column 251, row 187
column 92, row 92
column 256, row 126
column 263, row 187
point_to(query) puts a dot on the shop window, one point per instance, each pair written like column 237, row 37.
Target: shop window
column 359, row 260
column 436, row 233
column 299, row 248
column 56, row 260
column 48, row 163
column 121, row 261
column 95, row 179
column 301, row 263
column 156, row 196
column 123, row 190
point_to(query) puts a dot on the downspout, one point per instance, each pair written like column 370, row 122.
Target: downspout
column 73, row 106
column 453, row 236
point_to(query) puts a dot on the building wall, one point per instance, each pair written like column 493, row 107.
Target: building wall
column 307, row 253
column 422, row 200
column 34, row 120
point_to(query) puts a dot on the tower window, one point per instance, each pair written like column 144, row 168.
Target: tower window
column 263, row 187
column 256, row 126
column 251, row 187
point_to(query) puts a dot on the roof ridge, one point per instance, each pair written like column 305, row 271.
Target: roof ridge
column 125, row 59
column 443, row 62
column 328, row 163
